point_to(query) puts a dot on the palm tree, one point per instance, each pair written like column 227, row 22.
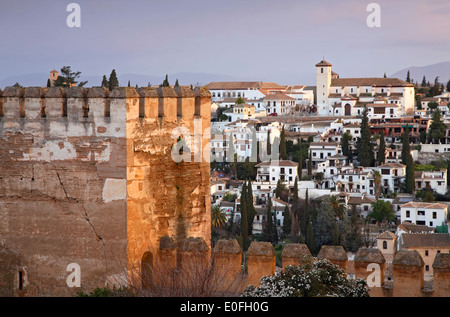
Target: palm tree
column 377, row 182
column 218, row 218
column 338, row 206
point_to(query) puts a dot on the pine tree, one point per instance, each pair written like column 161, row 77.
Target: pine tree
column 113, row 81
column 68, row 78
column 105, row 82
column 382, row 150
column 283, row 154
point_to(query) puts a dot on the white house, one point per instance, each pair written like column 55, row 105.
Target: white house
column 428, row 214
column 248, row 90
column 435, row 180
column 279, row 104
column 320, row 151
column 272, row 171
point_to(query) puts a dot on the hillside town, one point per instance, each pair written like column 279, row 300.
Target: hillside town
column 355, row 162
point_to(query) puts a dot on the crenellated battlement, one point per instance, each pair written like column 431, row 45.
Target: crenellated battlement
column 88, row 177
column 87, row 105
column 405, row 278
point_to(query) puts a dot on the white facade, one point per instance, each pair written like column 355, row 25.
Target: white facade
column 272, row 171
column 435, row 180
column 428, row 214
column 320, row 151
column 344, row 97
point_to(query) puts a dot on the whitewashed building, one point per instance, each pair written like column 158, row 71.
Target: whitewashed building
column 435, row 180
column 272, row 171
column 345, row 96
column 428, row 214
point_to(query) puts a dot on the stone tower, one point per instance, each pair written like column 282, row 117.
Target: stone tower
column 54, row 74
column 323, row 82
column 87, row 179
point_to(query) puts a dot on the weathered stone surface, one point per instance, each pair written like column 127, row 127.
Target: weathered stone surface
column 369, row 255
column 90, row 183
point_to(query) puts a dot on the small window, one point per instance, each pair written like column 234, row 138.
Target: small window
column 384, row 245
column 21, row 279
column 427, row 268
column 426, row 252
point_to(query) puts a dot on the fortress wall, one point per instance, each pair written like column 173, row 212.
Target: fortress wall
column 62, row 186
column 87, row 178
column 369, row 264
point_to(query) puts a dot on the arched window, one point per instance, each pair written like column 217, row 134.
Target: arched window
column 147, row 269
column 384, row 245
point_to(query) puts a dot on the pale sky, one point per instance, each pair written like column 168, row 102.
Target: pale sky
column 280, row 40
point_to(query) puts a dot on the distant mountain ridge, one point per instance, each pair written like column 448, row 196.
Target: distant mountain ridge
column 441, row 70
column 184, row 78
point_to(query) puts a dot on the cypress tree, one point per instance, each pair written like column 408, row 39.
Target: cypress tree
column 382, row 150
column 310, row 241
column 408, row 78
column 287, row 221
column 254, row 154
column 244, row 216
column 365, row 148
column 283, row 153
column 310, row 164
column 251, row 211
column 406, row 148
column 176, row 83
column 295, row 192
column 49, row 83
column 105, row 82
column 274, row 227
column 300, row 162
column 268, row 223
column 268, row 145
column 424, row 82
column 335, row 240
column 408, row 161
column 113, row 81
column 166, row 82
column 129, row 84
